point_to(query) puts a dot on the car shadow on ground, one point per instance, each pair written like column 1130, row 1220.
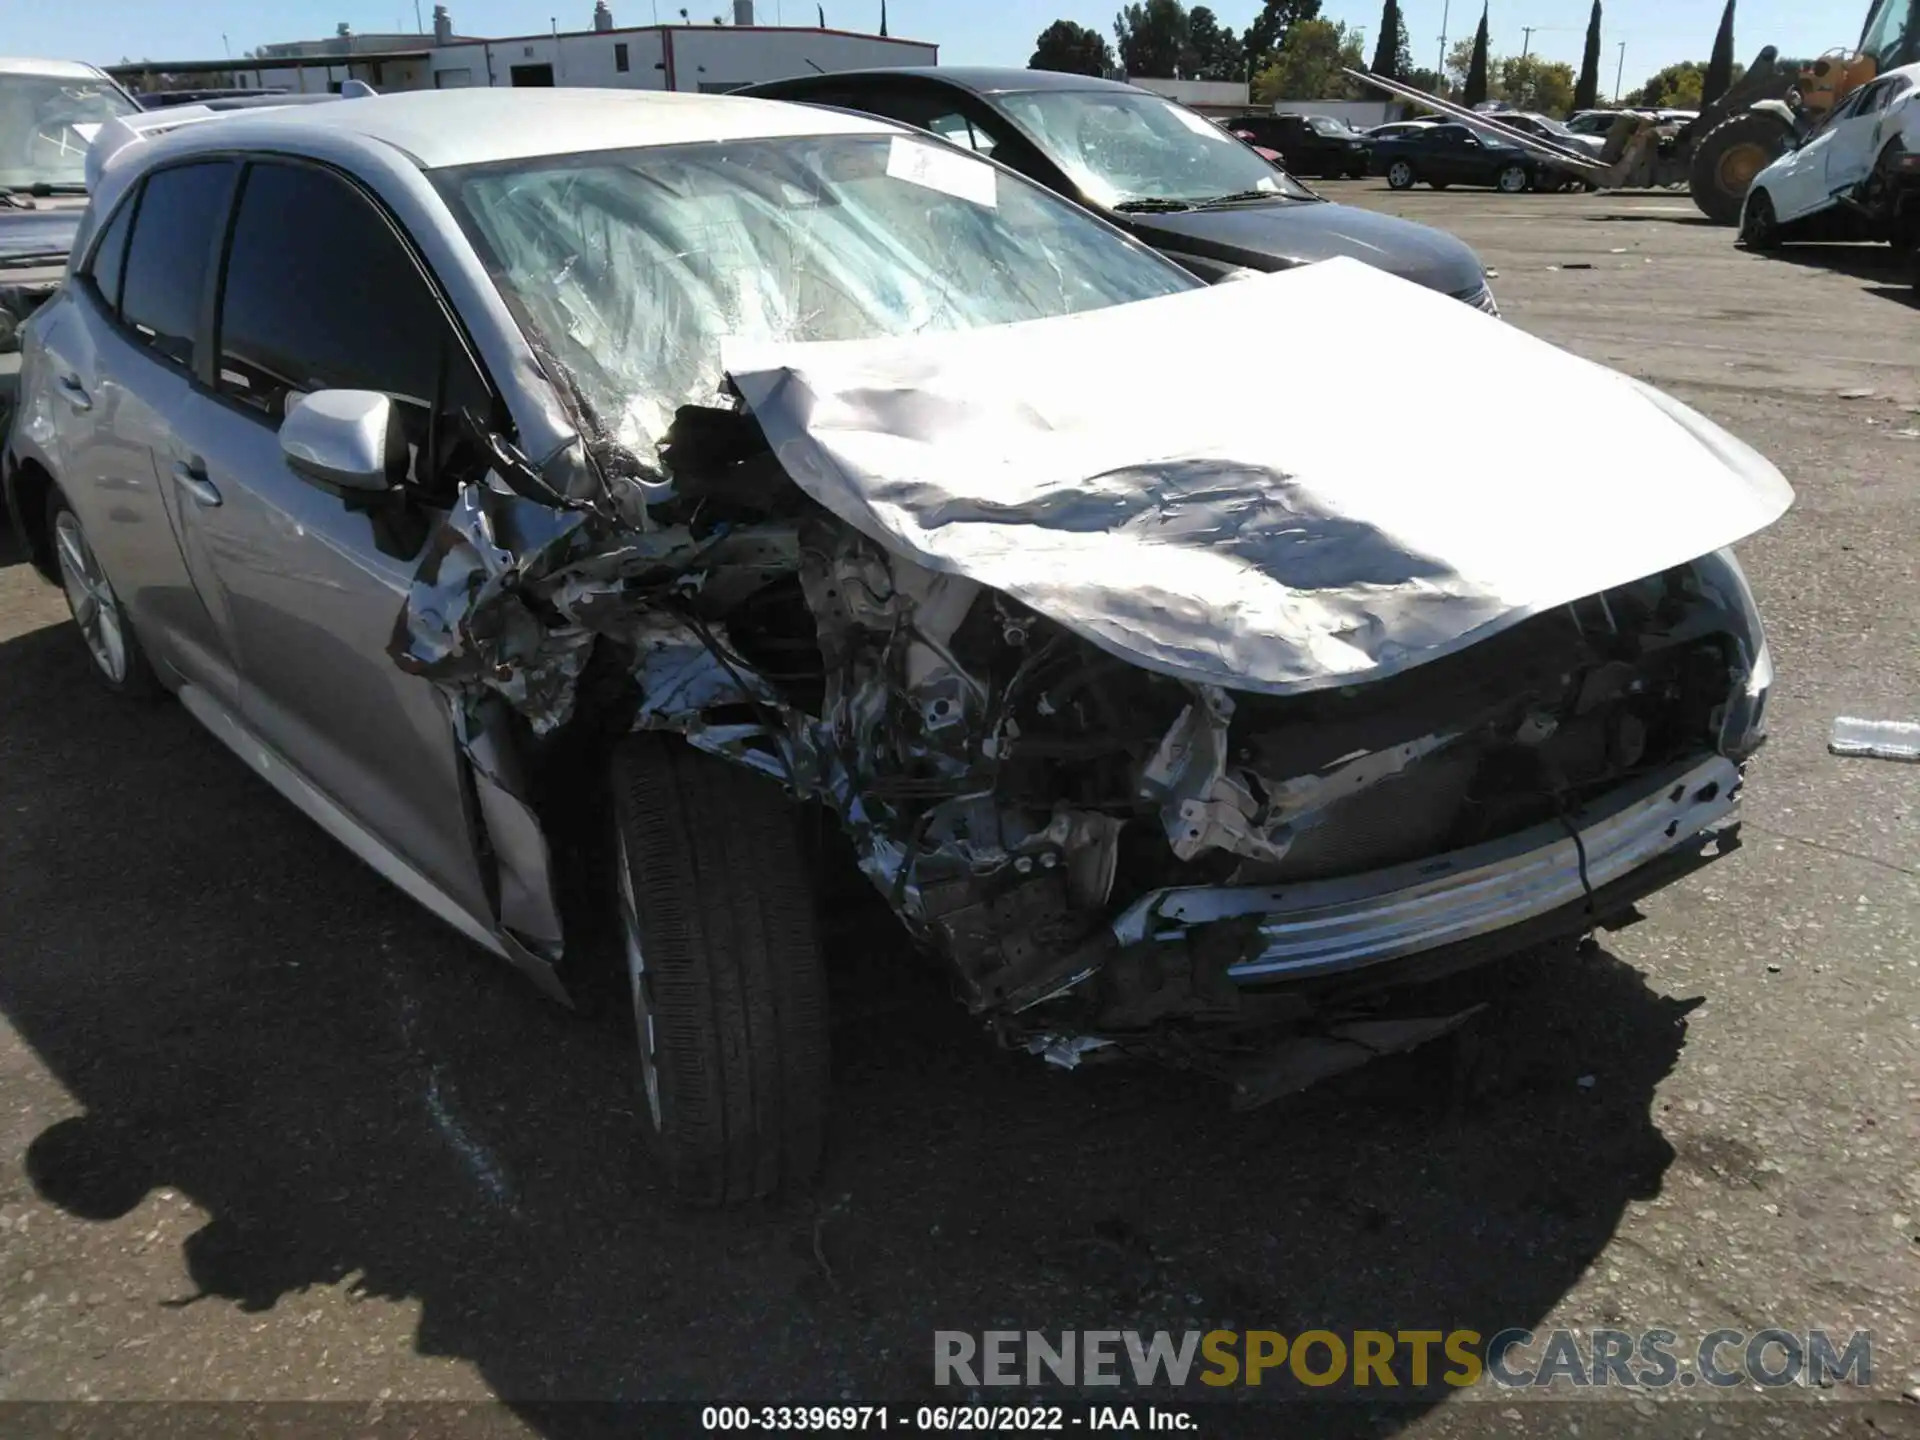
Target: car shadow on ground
column 354, row 1097
column 1895, row 273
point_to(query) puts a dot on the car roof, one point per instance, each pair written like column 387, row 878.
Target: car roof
column 980, row 79
column 63, row 69
column 439, row 128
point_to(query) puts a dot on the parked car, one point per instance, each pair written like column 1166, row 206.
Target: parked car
column 49, row 112
column 1594, row 122
column 1545, row 127
column 501, row 515
column 1154, row 168
column 1308, row 144
column 161, row 99
column 1443, row 155
column 1393, row 129
column 1855, row 177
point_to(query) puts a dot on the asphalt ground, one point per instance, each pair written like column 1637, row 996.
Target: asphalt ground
column 269, row 1133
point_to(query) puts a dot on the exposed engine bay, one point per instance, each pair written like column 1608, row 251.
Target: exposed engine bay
column 1133, row 704
column 1008, row 786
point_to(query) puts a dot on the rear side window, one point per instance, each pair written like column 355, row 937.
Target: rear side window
column 173, row 239
column 335, row 301
column 110, row 256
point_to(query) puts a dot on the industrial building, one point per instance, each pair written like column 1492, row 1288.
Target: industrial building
column 704, row 58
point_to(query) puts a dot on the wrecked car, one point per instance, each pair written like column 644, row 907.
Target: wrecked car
column 595, row 482
column 50, row 110
column 1855, row 176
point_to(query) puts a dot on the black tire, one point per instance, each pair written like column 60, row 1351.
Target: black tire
column 1513, row 180
column 1400, row 175
column 1727, row 158
column 732, row 979
column 85, row 583
column 1759, row 228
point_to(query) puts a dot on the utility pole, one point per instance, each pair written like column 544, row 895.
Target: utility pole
column 1619, row 71
column 1446, row 9
column 1526, row 45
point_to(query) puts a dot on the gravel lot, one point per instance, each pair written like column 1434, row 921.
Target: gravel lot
column 269, row 1133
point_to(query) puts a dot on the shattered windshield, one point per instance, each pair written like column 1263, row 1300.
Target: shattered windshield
column 1124, row 146
column 630, row 268
column 47, row 124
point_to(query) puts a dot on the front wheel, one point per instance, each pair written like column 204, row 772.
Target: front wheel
column 1759, row 228
column 716, row 918
column 1512, row 180
column 1400, row 175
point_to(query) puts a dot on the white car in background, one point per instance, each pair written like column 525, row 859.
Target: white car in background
column 1855, row 177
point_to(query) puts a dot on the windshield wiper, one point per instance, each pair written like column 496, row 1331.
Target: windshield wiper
column 1152, row 207
column 1240, row 197
column 44, row 188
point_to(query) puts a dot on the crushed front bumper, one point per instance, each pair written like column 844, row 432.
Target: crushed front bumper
column 1330, row 926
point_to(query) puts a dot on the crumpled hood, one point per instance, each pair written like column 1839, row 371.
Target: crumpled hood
column 1130, row 474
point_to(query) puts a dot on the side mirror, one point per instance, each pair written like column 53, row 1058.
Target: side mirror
column 345, row 440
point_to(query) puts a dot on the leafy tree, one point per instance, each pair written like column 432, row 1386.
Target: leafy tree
column 1152, row 37
column 1459, row 61
column 1386, row 50
column 1431, row 81
column 1528, row 82
column 1678, row 87
column 1213, row 50
column 1308, row 64
column 1586, row 90
column 1072, row 49
column 1268, row 32
column 1720, row 67
column 1475, row 89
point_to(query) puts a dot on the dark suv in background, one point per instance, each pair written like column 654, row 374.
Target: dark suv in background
column 1309, row 144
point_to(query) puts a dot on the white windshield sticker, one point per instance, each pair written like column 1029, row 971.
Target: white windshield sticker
column 86, row 132
column 943, row 170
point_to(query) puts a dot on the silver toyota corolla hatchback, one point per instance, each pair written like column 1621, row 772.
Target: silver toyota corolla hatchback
column 555, row 493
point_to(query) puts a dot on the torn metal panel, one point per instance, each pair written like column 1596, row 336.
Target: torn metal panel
column 1179, row 522
column 1131, row 699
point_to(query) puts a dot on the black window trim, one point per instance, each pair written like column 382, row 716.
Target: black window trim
column 129, row 205
column 208, row 380
column 137, row 197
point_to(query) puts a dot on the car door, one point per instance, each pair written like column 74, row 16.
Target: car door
column 319, row 290
column 122, row 352
column 1444, row 154
column 1798, row 186
column 1852, row 153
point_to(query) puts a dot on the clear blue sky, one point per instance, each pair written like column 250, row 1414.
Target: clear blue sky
column 989, row 32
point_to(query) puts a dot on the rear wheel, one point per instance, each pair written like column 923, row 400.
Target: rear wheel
column 1512, row 179
column 716, row 918
column 1728, row 158
column 118, row 660
column 1400, row 175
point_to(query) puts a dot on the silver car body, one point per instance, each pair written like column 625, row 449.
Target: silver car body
column 269, row 604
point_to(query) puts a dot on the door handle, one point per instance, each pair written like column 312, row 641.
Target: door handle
column 74, row 393
column 192, row 478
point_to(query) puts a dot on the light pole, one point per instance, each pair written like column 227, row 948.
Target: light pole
column 1526, row 45
column 1446, row 9
column 1619, row 71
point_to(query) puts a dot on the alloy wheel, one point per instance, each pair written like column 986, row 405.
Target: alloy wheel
column 96, row 609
